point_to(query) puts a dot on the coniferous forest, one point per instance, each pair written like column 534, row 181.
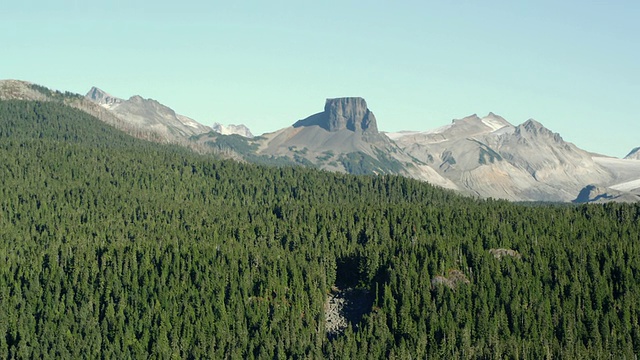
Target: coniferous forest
column 113, row 247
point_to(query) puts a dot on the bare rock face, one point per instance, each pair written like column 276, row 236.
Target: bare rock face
column 350, row 113
column 489, row 157
column 148, row 115
column 232, row 129
column 634, row 154
column 532, row 129
column 102, row 98
column 452, row 280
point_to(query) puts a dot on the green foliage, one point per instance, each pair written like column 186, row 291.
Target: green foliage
column 55, row 95
column 326, row 155
column 359, row 163
column 234, row 142
column 112, row 247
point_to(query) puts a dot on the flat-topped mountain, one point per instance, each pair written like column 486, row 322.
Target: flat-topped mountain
column 349, row 113
column 346, row 125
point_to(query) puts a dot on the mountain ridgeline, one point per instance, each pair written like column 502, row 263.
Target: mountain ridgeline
column 116, row 247
column 482, row 157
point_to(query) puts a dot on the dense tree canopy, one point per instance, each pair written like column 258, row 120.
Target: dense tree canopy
column 112, row 247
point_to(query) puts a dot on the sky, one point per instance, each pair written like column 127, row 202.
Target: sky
column 572, row 65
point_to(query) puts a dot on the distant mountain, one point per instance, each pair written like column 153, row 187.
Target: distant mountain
column 148, row 114
column 489, row 157
column 633, row 154
column 232, row 129
column 102, row 98
column 486, row 156
column 344, row 137
column 23, row 90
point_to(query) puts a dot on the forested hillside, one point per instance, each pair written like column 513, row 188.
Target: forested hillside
column 112, row 247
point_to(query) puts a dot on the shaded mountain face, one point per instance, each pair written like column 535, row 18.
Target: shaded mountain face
column 598, row 194
column 633, row 154
column 349, row 113
column 345, row 126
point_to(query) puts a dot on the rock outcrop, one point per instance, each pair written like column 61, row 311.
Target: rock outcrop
column 500, row 253
column 232, row 129
column 349, row 113
column 102, row 98
column 452, row 280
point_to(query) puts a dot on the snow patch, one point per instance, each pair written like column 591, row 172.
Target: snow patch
column 438, row 130
column 493, row 123
column 399, row 134
column 627, row 186
column 188, row 121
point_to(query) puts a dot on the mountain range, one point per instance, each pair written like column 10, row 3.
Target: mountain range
column 485, row 157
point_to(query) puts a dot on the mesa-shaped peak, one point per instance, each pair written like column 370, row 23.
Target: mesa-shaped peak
column 347, row 113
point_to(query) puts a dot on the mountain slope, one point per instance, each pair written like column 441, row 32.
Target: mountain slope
column 23, row 90
column 345, row 137
column 492, row 158
column 484, row 157
column 150, row 115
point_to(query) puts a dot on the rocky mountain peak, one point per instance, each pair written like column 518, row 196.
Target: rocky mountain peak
column 532, row 125
column 467, row 119
column 349, row 113
column 101, row 97
column 634, row 154
column 231, row 129
column 534, row 128
column 136, row 98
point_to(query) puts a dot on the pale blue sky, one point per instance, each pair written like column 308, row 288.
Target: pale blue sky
column 572, row 65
